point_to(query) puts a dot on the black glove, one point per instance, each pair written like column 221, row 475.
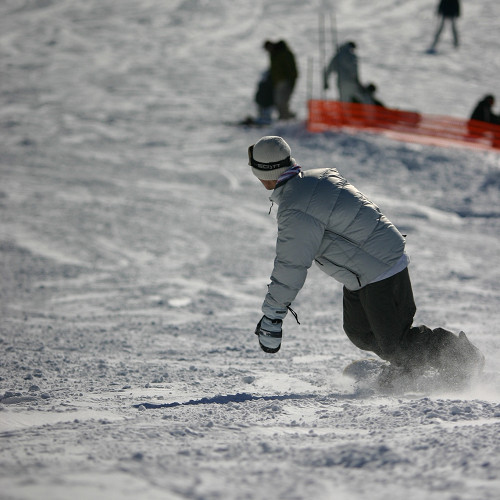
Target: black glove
column 269, row 332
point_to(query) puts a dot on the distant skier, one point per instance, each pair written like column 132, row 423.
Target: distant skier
column 324, row 219
column 483, row 111
column 284, row 74
column 345, row 64
column 448, row 10
column 264, row 98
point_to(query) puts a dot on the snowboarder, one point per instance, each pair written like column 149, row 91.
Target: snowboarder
column 324, row 219
column 284, row 75
column 447, row 10
column 345, row 64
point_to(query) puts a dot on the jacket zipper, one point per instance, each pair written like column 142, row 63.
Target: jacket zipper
column 352, row 242
column 342, row 267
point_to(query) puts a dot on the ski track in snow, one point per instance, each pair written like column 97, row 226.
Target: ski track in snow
column 136, row 247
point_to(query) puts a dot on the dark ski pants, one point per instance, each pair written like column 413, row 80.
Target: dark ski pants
column 378, row 317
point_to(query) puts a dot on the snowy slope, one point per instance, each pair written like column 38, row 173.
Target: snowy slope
column 135, row 249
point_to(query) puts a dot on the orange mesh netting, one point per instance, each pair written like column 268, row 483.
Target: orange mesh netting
column 402, row 125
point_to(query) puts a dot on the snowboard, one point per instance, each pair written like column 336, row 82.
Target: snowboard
column 376, row 376
column 364, row 369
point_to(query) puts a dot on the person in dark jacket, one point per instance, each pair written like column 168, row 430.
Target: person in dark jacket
column 483, row 111
column 264, row 98
column 284, row 75
column 370, row 90
column 447, row 10
column 322, row 218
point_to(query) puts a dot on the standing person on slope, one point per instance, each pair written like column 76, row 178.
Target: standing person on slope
column 345, row 64
column 324, row 219
column 284, row 74
column 447, row 10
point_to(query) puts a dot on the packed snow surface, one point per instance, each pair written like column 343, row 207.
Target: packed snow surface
column 136, row 246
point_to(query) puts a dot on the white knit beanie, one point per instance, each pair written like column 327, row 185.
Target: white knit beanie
column 269, row 157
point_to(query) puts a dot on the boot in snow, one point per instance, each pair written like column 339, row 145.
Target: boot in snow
column 458, row 359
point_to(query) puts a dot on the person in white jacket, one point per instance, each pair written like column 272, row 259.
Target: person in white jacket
column 322, row 218
column 345, row 64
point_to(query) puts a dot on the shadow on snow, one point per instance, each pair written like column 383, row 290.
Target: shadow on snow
column 241, row 398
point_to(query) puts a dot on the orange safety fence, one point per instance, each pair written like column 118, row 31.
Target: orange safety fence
column 402, row 125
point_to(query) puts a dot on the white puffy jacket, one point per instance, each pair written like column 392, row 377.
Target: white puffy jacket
column 323, row 218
